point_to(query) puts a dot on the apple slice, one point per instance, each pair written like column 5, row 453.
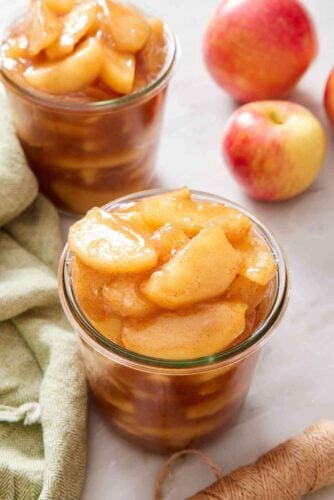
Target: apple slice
column 192, row 216
column 125, row 298
column 44, row 29
column 105, row 243
column 183, row 193
column 250, row 319
column 201, row 270
column 152, row 57
column 128, row 27
column 60, row 7
column 71, row 74
column 167, row 239
column 118, row 70
column 88, row 285
column 258, row 261
column 76, row 25
column 15, row 47
column 244, row 290
column 201, row 332
column 135, row 219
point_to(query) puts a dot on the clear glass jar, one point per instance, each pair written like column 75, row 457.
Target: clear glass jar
column 86, row 154
column 164, row 404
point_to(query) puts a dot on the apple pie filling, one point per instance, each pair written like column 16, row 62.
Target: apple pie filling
column 90, row 50
column 87, row 82
column 170, row 277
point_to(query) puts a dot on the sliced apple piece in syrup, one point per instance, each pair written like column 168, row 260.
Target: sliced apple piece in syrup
column 250, row 318
column 105, row 243
column 76, row 25
column 135, row 219
column 118, row 70
column 152, row 57
column 207, row 330
column 201, row 270
column 258, row 261
column 45, row 27
column 71, row 74
column 60, row 7
column 167, row 239
column 244, row 290
column 125, row 298
column 15, row 47
column 88, row 285
column 192, row 216
column 128, row 27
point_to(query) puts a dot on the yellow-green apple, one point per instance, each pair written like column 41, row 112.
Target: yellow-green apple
column 329, row 97
column 259, row 49
column 275, row 149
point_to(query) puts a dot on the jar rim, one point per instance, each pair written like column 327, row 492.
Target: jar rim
column 148, row 363
column 134, row 98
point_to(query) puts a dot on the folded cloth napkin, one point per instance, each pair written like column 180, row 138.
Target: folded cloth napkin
column 42, row 382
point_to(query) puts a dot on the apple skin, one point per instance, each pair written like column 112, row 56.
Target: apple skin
column 259, row 49
column 275, row 149
column 329, row 97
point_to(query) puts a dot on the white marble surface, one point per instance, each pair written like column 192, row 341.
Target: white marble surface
column 293, row 385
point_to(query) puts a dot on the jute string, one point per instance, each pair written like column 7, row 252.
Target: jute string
column 166, row 465
column 301, row 465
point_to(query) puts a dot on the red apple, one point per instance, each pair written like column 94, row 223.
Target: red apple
column 259, row 49
column 329, row 97
column 275, row 149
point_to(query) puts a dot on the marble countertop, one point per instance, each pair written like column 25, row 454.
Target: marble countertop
column 293, row 385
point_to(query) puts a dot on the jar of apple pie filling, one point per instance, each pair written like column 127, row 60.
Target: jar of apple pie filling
column 88, row 149
column 164, row 404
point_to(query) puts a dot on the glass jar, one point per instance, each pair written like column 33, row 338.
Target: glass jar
column 165, row 404
column 86, row 154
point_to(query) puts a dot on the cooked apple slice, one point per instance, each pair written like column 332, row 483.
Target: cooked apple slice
column 125, row 298
column 206, row 330
column 258, row 261
column 105, row 243
column 128, row 27
column 15, row 47
column 152, row 57
column 135, row 219
column 60, row 7
column 167, row 239
column 71, row 74
column 118, row 70
column 183, row 193
column 201, row 270
column 244, row 290
column 44, row 29
column 88, row 285
column 192, row 216
column 76, row 25
column 250, row 318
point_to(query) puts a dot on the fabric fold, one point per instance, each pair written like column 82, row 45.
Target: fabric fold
column 28, row 413
column 18, row 185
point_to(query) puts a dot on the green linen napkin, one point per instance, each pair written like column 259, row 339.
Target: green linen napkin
column 42, row 382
